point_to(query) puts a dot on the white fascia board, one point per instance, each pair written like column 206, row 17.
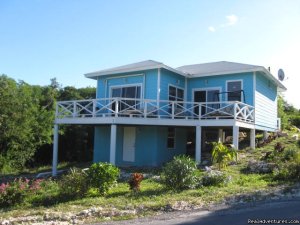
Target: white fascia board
column 94, row 75
column 277, row 82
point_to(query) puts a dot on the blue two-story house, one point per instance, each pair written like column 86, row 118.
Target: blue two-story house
column 145, row 113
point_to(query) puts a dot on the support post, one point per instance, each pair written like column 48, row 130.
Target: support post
column 55, row 150
column 266, row 135
column 113, row 139
column 220, row 136
column 198, row 144
column 252, row 138
column 235, row 137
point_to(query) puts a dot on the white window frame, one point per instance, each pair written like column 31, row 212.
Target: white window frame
column 242, row 88
column 125, row 86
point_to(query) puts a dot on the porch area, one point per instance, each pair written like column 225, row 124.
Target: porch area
column 124, row 112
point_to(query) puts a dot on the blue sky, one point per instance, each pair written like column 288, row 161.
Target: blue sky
column 42, row 39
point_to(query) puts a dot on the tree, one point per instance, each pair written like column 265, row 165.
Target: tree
column 26, row 123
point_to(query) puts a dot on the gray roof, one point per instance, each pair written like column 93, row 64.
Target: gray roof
column 195, row 70
column 224, row 67
column 139, row 66
column 215, row 68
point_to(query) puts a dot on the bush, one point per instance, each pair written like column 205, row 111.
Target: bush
column 289, row 170
column 290, row 154
column 180, row 173
column 214, row 178
column 103, row 176
column 14, row 193
column 279, row 147
column 222, row 155
column 135, row 182
column 74, row 184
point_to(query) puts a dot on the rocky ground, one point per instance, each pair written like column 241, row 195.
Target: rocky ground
column 107, row 215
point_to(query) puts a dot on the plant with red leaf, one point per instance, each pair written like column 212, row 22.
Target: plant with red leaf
column 135, row 182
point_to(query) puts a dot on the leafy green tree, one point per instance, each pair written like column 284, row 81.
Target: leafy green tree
column 221, row 154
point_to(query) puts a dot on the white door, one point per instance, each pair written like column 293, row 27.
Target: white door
column 129, row 144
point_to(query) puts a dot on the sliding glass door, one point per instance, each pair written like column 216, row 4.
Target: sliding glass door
column 210, row 95
column 132, row 95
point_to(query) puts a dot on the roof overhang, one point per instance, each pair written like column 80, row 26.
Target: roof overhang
column 94, row 75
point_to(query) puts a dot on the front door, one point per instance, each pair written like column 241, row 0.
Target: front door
column 129, row 144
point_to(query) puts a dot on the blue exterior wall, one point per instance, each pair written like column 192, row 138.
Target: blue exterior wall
column 151, row 145
column 265, row 103
column 220, row 82
column 170, row 78
column 148, row 80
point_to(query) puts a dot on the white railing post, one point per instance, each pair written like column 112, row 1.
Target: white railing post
column 74, row 109
column 173, row 110
column 234, row 110
column 117, row 107
column 145, row 108
column 199, row 110
column 94, row 107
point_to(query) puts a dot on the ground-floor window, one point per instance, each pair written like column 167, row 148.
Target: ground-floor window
column 171, row 138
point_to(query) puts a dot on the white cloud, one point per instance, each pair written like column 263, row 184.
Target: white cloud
column 231, row 20
column 211, row 29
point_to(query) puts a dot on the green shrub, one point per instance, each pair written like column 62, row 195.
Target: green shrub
column 222, row 155
column 214, row 178
column 289, row 170
column 14, row 193
column 290, row 154
column 74, row 184
column 180, row 173
column 103, row 176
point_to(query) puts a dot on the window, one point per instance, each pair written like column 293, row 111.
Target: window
column 133, row 92
column 171, row 138
column 175, row 94
column 234, row 89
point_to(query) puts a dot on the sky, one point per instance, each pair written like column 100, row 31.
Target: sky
column 43, row 39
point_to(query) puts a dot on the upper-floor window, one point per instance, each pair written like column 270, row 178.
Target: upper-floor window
column 127, row 92
column 234, row 90
column 175, row 93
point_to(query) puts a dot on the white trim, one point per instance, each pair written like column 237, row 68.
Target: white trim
column 155, row 121
column 127, row 85
column 185, row 87
column 242, row 88
column 254, row 93
column 158, row 86
column 205, row 89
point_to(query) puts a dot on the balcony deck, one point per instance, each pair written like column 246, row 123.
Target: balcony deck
column 152, row 112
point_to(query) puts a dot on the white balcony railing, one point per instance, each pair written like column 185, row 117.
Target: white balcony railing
column 145, row 108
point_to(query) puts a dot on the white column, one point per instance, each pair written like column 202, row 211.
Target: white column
column 55, row 150
column 252, row 138
column 235, row 137
column 266, row 135
column 198, row 144
column 113, row 140
column 220, row 135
